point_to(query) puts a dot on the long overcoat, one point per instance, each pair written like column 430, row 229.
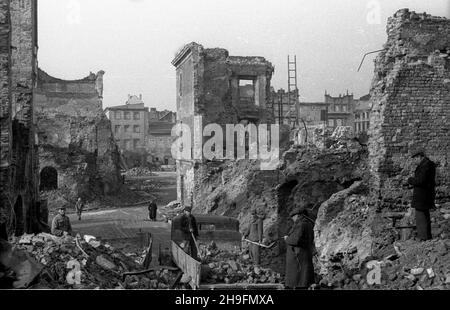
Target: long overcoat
column 299, row 254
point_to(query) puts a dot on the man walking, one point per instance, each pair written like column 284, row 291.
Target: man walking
column 190, row 231
column 61, row 224
column 255, row 234
column 299, row 253
column 423, row 193
column 152, row 210
column 79, row 206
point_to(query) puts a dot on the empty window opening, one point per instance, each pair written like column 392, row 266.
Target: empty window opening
column 247, row 93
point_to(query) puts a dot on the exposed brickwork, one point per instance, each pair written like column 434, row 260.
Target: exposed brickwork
column 411, row 103
column 19, row 166
column 75, row 137
column 208, row 85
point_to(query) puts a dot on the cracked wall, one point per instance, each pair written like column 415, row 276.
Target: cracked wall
column 223, row 89
column 75, row 137
column 19, row 205
column 411, row 104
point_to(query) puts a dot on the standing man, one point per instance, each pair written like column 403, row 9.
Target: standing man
column 190, row 231
column 79, row 205
column 152, row 210
column 299, row 252
column 423, row 193
column 61, row 224
column 255, row 234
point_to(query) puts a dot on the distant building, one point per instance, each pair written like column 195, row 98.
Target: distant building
column 339, row 110
column 162, row 116
column 362, row 114
column 159, row 142
column 343, row 110
column 130, row 124
column 313, row 113
column 143, row 135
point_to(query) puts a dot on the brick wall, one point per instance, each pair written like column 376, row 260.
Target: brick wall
column 411, row 104
column 208, row 86
column 19, row 167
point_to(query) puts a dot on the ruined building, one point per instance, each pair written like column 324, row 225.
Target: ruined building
column 340, row 110
column 223, row 89
column 19, row 201
column 411, row 104
column 77, row 152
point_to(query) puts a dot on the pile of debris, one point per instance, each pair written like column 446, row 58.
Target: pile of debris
column 138, row 171
column 413, row 265
column 76, row 263
column 228, row 267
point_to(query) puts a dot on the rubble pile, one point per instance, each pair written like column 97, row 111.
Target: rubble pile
column 138, row 171
column 405, row 263
column 228, row 267
column 100, row 266
column 413, row 265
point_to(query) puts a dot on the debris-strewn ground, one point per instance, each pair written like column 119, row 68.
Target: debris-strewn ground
column 404, row 264
column 221, row 266
column 101, row 265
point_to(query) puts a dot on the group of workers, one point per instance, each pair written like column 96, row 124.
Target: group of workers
column 299, row 240
column 300, row 248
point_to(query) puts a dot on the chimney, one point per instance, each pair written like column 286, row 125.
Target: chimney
column 140, row 96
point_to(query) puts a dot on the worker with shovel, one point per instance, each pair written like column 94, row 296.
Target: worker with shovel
column 255, row 235
column 190, row 232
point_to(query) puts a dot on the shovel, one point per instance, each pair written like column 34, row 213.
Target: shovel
column 260, row 244
column 196, row 245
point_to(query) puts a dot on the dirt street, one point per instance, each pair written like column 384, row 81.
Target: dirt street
column 122, row 227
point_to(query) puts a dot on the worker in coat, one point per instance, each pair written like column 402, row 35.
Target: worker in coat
column 188, row 226
column 423, row 193
column 61, row 224
column 255, row 234
column 79, row 206
column 299, row 252
column 152, row 210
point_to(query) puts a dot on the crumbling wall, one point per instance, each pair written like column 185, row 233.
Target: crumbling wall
column 75, row 138
column 208, row 86
column 411, row 104
column 19, row 200
column 410, row 98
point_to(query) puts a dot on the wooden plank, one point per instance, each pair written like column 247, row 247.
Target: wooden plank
column 187, row 264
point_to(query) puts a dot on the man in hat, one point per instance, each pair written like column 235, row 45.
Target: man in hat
column 423, row 193
column 299, row 252
column 79, row 206
column 255, row 234
column 152, row 210
column 61, row 224
column 188, row 226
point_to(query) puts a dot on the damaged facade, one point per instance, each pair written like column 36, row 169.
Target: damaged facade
column 77, row 152
column 19, row 201
column 411, row 104
column 223, row 90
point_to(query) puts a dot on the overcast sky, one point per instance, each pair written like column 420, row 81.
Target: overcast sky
column 134, row 41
